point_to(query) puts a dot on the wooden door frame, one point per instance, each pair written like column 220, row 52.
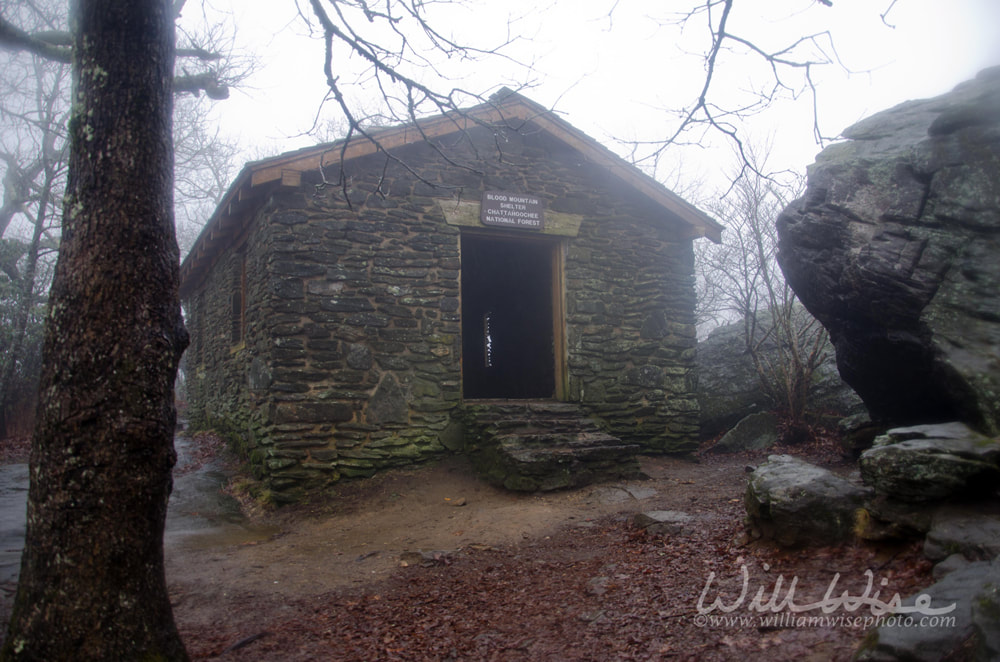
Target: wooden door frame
column 557, row 261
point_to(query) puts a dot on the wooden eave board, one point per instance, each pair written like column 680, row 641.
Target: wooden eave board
column 515, row 108
column 287, row 169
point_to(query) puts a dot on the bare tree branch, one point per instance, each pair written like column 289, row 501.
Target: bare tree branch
column 790, row 67
column 885, row 15
column 206, row 82
column 388, row 61
column 15, row 39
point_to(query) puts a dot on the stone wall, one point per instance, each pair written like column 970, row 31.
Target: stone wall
column 630, row 331
column 227, row 382
column 352, row 355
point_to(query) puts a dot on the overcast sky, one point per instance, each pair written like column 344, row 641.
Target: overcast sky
column 615, row 76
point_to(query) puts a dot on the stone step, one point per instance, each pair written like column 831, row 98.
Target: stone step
column 567, row 425
column 537, row 446
column 528, row 450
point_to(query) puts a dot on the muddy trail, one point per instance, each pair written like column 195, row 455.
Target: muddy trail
column 430, row 563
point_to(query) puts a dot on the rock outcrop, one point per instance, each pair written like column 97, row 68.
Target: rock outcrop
column 794, row 502
column 932, row 463
column 932, row 481
column 729, row 389
column 918, row 483
column 893, row 248
column 968, row 631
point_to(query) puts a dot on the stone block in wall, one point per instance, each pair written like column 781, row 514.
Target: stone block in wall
column 311, row 412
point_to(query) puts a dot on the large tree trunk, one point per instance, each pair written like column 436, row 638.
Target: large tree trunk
column 92, row 578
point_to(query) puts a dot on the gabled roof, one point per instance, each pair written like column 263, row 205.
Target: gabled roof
column 505, row 108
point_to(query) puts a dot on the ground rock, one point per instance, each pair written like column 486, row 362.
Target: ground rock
column 754, row 432
column 885, row 518
column 931, row 462
column 795, row 502
column 663, row 522
column 893, row 248
column 857, row 433
column 968, row 530
column 936, row 640
column 986, row 622
column 948, row 566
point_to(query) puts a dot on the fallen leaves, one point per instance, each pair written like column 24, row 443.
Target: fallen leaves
column 606, row 591
column 634, row 599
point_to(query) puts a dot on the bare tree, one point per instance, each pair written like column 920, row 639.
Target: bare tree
column 92, row 582
column 33, row 113
column 743, row 77
column 34, row 107
column 205, row 162
column 92, row 572
column 740, row 281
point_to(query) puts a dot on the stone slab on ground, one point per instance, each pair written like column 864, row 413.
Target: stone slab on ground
column 969, row 530
column 663, row 522
column 795, row 502
column 931, row 462
column 965, row 638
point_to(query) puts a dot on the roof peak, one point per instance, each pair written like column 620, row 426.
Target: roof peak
column 504, row 107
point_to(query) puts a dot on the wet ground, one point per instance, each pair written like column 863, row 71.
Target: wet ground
column 200, row 512
column 13, row 497
column 430, row 563
column 212, row 546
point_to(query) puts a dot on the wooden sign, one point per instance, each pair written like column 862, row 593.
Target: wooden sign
column 512, row 210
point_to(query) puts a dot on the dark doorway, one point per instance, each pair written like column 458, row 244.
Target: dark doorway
column 507, row 318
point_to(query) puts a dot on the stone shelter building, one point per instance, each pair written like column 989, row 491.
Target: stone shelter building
column 492, row 281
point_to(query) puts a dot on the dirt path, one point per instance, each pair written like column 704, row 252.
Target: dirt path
column 371, row 527
column 429, row 563
column 394, row 568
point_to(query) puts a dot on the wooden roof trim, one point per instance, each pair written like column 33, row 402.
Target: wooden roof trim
column 504, row 107
column 511, row 107
column 221, row 225
column 704, row 225
column 387, row 139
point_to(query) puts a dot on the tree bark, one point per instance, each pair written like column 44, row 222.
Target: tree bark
column 92, row 580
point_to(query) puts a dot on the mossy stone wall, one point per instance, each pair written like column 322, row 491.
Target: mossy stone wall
column 351, row 360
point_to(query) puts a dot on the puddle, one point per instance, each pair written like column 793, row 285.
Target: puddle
column 13, row 502
column 199, row 513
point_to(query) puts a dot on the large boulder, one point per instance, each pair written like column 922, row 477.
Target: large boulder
column 755, row 432
column 893, row 248
column 794, row 502
column 931, row 462
column 728, row 387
